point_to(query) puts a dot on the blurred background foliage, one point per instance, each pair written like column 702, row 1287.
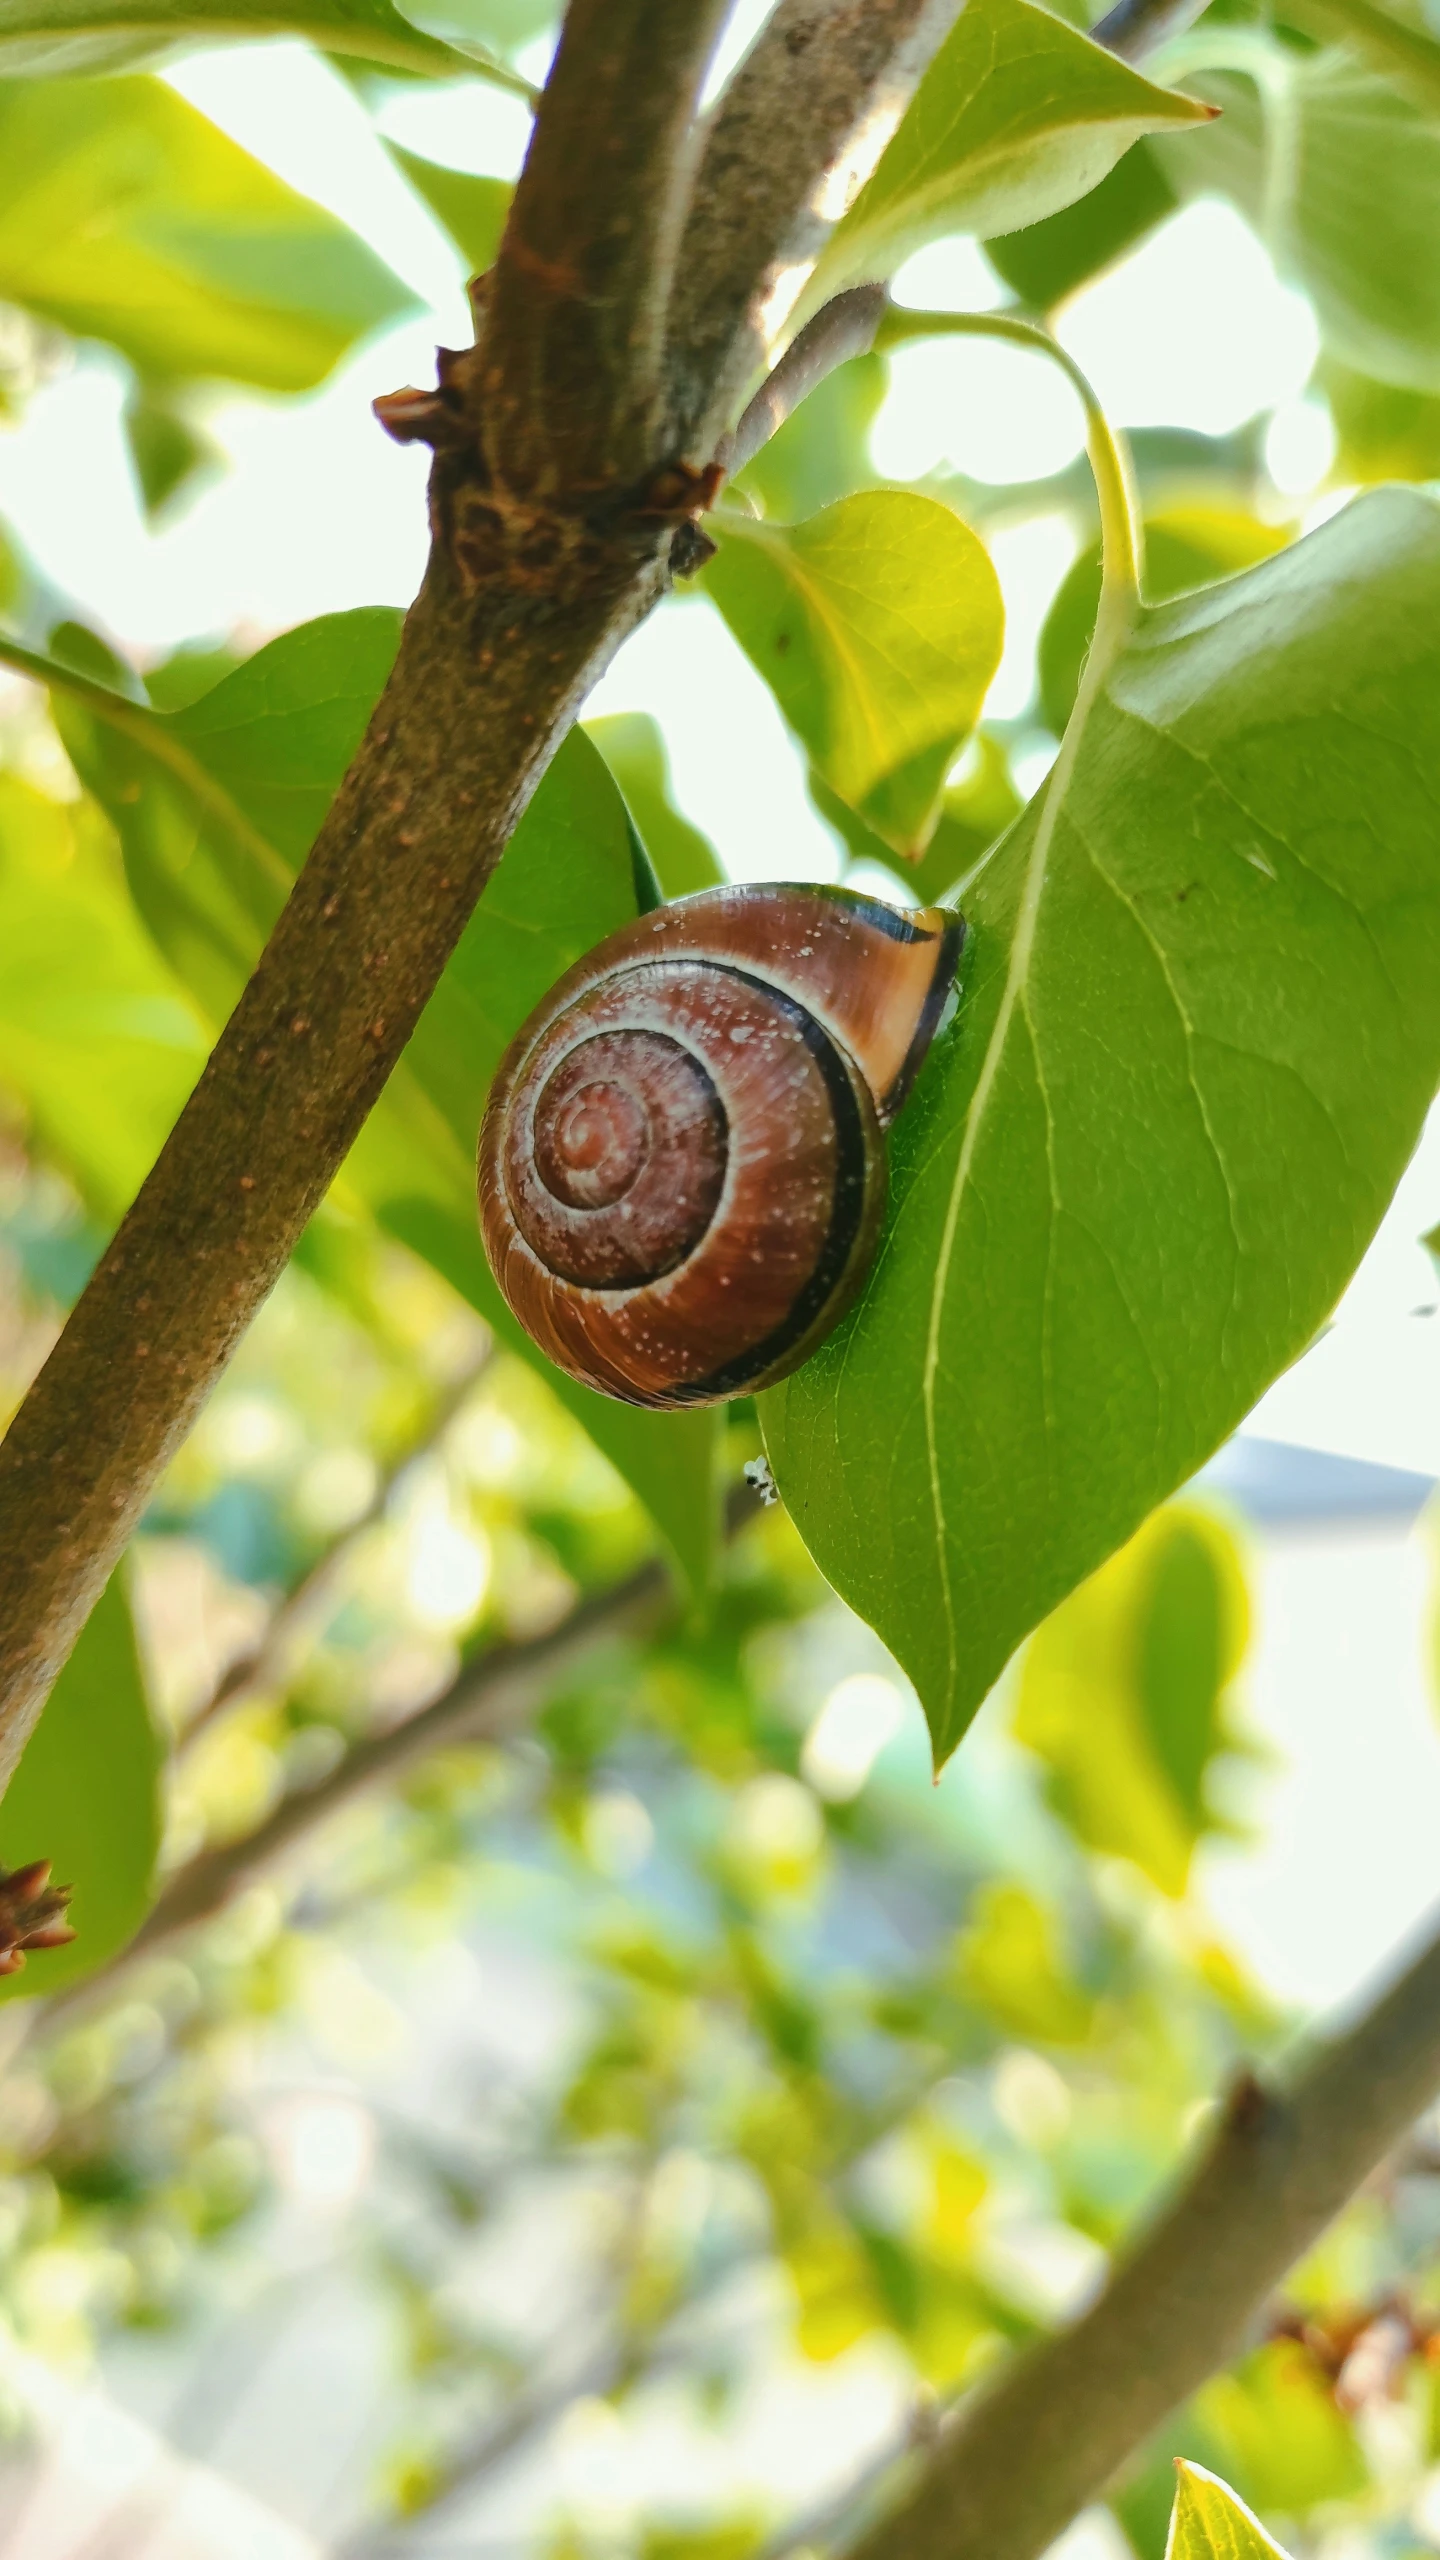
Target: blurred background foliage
column 582, row 2089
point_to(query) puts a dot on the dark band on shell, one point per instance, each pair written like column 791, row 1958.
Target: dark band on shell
column 682, row 1167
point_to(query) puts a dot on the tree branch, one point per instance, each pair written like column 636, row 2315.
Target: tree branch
column 524, row 602
column 486, row 1701
column 1024, row 2457
column 581, row 288
column 1134, row 28
column 845, row 327
column 825, row 79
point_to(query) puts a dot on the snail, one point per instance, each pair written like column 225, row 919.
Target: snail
column 682, row 1164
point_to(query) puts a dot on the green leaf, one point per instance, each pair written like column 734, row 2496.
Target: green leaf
column 87, row 1796
column 634, row 750
column 171, row 457
column 978, row 806
column 1185, row 548
column 1017, row 115
column 216, row 806
column 1210, row 2523
column 126, row 215
column 878, row 625
column 1383, row 433
column 1348, row 201
column 472, row 210
column 1140, row 1169
column 1009, row 1962
column 1123, row 1693
column 96, row 1039
column 48, row 39
column 1285, row 2438
column 1053, row 258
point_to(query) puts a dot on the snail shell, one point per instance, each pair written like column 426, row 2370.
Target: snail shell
column 682, row 1166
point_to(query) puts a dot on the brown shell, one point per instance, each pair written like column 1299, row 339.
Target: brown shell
column 682, row 1167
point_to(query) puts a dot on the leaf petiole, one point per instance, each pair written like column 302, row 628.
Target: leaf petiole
column 1121, row 538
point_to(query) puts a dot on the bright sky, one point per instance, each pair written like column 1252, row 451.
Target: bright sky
column 320, row 511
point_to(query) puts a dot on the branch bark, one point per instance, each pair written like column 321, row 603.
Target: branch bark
column 1134, row 28
column 845, row 327
column 1025, row 2457
column 825, row 79
column 581, row 289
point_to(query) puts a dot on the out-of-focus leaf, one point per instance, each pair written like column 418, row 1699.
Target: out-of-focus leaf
column 1017, row 115
column 87, row 1796
column 633, row 748
column 1354, row 215
column 1123, row 1692
column 216, row 805
column 471, row 209
column 1053, row 258
column 29, row 605
column 1136, row 1175
column 1287, row 2443
column 1009, row 1965
column 126, row 215
column 12, row 576
column 1382, row 433
column 728, row 2538
column 836, row 2303
column 171, row 456
column 96, row 1040
column 878, row 625
column 975, row 810
column 1185, row 548
column 47, row 39
column 1211, row 2523
column 500, row 29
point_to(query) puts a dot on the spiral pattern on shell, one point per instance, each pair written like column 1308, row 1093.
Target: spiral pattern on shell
column 682, row 1165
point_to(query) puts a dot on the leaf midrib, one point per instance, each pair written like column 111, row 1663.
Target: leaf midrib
column 1105, row 649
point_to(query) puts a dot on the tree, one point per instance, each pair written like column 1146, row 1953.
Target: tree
column 1196, row 1042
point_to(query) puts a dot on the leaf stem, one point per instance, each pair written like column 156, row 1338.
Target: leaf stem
column 1121, row 537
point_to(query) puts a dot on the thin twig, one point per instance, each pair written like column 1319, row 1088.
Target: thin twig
column 1026, row 2456
column 823, row 86
column 1134, row 28
column 296, row 1613
column 578, row 2371
column 485, row 1702
column 843, row 328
